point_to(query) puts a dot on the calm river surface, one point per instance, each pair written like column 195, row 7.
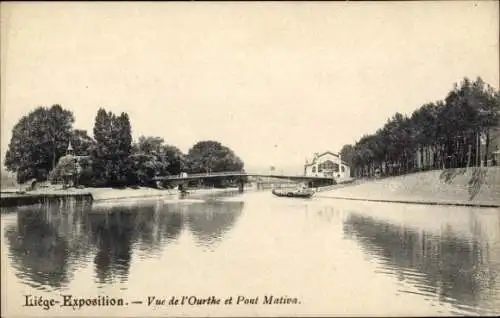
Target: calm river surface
column 331, row 257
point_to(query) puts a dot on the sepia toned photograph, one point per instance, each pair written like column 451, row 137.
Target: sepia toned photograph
column 250, row 159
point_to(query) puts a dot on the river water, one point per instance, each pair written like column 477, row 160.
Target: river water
column 227, row 255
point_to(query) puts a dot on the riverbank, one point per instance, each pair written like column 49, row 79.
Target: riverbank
column 479, row 187
column 107, row 194
column 11, row 198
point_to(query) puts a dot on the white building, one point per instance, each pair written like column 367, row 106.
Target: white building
column 327, row 164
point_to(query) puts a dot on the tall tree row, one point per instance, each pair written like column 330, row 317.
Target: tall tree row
column 438, row 135
column 41, row 139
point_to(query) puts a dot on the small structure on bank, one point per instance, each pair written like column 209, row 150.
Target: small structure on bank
column 68, row 168
column 327, row 164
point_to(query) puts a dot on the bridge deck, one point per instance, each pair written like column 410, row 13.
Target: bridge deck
column 237, row 174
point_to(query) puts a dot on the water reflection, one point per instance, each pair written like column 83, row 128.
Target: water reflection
column 453, row 268
column 117, row 231
column 215, row 219
column 49, row 243
column 112, row 233
column 444, row 256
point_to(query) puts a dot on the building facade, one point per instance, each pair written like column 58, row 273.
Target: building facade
column 327, row 164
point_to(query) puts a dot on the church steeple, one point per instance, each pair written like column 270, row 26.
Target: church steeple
column 69, row 151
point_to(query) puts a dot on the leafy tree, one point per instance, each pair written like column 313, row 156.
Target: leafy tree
column 101, row 154
column 177, row 161
column 82, row 143
column 123, row 130
column 149, row 145
column 147, row 160
column 441, row 134
column 487, row 103
column 113, row 147
column 143, row 168
column 424, row 123
column 38, row 140
column 348, row 153
column 166, row 159
column 212, row 156
column 85, row 174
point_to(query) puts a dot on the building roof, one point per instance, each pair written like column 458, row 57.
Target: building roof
column 317, row 156
column 312, row 163
column 327, row 152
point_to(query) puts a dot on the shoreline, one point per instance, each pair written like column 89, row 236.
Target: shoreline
column 451, row 187
column 473, row 187
column 422, row 202
column 125, row 194
column 13, row 199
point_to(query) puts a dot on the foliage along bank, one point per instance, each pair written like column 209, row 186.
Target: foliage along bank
column 444, row 134
column 40, row 140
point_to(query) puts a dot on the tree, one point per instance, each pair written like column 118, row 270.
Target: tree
column 212, row 156
column 177, row 161
column 113, row 147
column 348, row 153
column 470, row 110
column 82, row 143
column 424, row 123
column 147, row 160
column 441, row 134
column 487, row 104
column 101, row 154
column 38, row 140
column 149, row 145
column 123, row 131
column 143, row 168
column 85, row 174
column 169, row 160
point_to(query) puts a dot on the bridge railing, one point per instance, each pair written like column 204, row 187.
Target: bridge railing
column 230, row 173
column 201, row 175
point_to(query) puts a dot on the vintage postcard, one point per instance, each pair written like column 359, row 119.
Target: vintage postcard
column 244, row 159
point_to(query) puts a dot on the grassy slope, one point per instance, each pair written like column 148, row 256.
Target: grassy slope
column 473, row 185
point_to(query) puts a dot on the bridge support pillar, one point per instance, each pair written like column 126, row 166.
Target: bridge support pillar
column 241, row 185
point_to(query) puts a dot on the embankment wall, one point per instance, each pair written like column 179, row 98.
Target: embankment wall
column 472, row 186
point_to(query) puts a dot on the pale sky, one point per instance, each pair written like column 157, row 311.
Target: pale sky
column 275, row 82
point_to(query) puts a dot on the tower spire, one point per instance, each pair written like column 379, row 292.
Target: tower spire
column 69, row 151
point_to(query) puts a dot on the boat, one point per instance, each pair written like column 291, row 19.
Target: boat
column 293, row 193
